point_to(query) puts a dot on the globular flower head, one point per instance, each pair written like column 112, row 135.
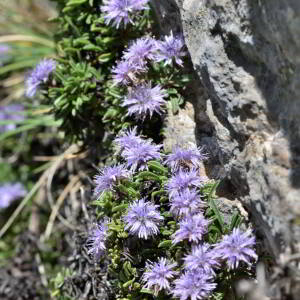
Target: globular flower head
column 39, row 75
column 185, row 157
column 140, row 51
column 192, row 228
column 186, row 202
column 237, row 247
column 184, row 179
column 108, row 177
column 125, row 72
column 202, row 257
column 143, row 219
column 128, row 139
column 195, row 284
column 10, row 192
column 11, row 112
column 158, row 275
column 171, row 49
column 97, row 238
column 144, row 100
column 137, row 156
column 118, row 11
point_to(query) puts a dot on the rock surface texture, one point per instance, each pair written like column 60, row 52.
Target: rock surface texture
column 246, row 54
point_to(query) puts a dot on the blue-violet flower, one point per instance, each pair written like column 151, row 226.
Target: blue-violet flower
column 38, row 76
column 128, row 139
column 169, row 49
column 191, row 228
column 237, row 247
column 143, row 219
column 4, row 50
column 140, row 51
column 184, row 179
column 202, row 257
column 10, row 192
column 118, row 11
column 185, row 157
column 195, row 284
column 158, row 275
column 108, row 177
column 137, row 156
column 97, row 238
column 186, row 202
column 143, row 99
column 12, row 112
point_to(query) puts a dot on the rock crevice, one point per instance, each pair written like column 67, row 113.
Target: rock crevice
column 246, row 55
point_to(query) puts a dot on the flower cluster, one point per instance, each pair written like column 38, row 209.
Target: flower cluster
column 157, row 202
column 142, row 99
column 38, row 76
column 193, row 275
column 10, row 192
column 12, row 112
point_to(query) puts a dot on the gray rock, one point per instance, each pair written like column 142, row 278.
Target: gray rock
column 246, row 54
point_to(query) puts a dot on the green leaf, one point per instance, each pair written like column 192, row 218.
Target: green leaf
column 128, row 283
column 148, row 175
column 235, row 221
column 115, row 227
column 158, row 167
column 165, row 244
column 146, row 291
column 75, row 2
column 216, row 211
column 167, row 232
column 120, row 207
column 105, row 57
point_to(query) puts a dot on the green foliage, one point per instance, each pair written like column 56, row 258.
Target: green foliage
column 128, row 255
column 82, row 94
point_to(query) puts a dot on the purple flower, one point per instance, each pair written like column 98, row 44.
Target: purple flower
column 237, row 247
column 158, row 275
column 169, row 49
column 108, row 177
column 128, row 139
column 10, row 192
column 4, row 49
column 118, row 11
column 125, row 72
column 183, row 180
column 140, row 51
column 143, row 219
column 138, row 155
column 39, row 75
column 143, row 100
column 185, row 157
column 191, row 228
column 202, row 257
column 11, row 112
column 194, row 284
column 97, row 238
column 186, row 202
